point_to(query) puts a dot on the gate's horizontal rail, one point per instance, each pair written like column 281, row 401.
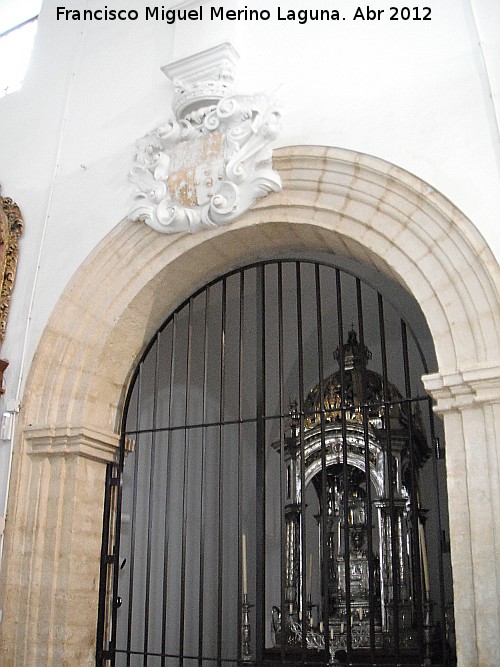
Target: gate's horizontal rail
column 250, row 420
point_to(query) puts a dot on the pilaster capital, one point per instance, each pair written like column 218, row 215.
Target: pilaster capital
column 461, row 389
column 72, row 441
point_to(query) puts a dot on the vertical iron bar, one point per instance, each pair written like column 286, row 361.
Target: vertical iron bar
column 347, row 563
column 202, row 489
column 220, row 574
column 390, row 475
column 416, row 572
column 369, row 508
column 303, row 544
column 151, row 501
column 166, row 537
column 104, row 569
column 133, row 517
column 439, row 532
column 187, row 396
column 240, row 458
column 283, row 471
column 116, row 552
column 260, row 486
column 324, row 555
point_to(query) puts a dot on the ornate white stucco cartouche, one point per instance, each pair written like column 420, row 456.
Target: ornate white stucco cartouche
column 210, row 162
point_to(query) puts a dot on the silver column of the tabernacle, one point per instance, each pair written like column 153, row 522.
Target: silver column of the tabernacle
column 246, row 651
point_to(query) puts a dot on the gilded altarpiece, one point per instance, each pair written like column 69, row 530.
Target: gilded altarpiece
column 11, row 228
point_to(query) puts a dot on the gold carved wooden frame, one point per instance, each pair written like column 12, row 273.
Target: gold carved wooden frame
column 11, row 228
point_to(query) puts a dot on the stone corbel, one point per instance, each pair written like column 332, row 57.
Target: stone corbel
column 464, row 388
column 83, row 442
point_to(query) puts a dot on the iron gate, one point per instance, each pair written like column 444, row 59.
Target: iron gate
column 278, row 497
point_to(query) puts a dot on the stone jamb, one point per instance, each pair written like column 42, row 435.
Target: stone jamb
column 466, row 400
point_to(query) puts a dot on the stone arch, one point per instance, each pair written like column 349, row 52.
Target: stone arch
column 332, row 200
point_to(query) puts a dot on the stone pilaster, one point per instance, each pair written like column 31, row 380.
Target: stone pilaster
column 50, row 592
column 469, row 402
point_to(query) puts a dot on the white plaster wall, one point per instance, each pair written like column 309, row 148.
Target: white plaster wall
column 419, row 94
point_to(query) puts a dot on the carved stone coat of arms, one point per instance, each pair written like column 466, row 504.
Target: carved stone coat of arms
column 210, row 162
